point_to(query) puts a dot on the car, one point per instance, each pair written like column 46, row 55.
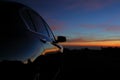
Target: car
column 27, row 44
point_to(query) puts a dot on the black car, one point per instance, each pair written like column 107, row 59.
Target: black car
column 25, row 38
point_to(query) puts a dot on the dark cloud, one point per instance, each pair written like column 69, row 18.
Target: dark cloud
column 90, row 4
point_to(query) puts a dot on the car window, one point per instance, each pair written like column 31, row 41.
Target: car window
column 50, row 32
column 27, row 19
column 39, row 23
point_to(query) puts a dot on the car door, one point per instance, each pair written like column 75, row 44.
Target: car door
column 37, row 48
column 50, row 61
column 43, row 29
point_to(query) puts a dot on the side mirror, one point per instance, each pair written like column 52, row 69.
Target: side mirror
column 61, row 39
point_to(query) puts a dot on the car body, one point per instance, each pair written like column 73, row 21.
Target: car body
column 24, row 35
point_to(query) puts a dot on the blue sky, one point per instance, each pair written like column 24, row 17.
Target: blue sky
column 80, row 20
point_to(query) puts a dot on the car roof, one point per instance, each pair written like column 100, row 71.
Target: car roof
column 11, row 4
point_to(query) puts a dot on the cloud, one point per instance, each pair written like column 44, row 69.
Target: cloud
column 56, row 25
column 100, row 44
column 104, row 40
column 90, row 4
column 78, row 40
column 83, row 39
column 104, row 27
column 93, row 39
column 89, row 25
column 114, row 28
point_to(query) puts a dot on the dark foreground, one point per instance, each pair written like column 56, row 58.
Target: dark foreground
column 91, row 64
column 73, row 64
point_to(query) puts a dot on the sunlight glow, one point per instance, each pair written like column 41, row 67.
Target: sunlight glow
column 97, row 43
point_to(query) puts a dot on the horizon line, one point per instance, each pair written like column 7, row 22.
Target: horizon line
column 93, row 44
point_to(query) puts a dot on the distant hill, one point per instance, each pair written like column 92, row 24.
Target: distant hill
column 82, row 47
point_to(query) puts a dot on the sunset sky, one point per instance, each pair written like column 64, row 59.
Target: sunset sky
column 83, row 22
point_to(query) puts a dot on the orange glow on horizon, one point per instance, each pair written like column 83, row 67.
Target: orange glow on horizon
column 96, row 43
